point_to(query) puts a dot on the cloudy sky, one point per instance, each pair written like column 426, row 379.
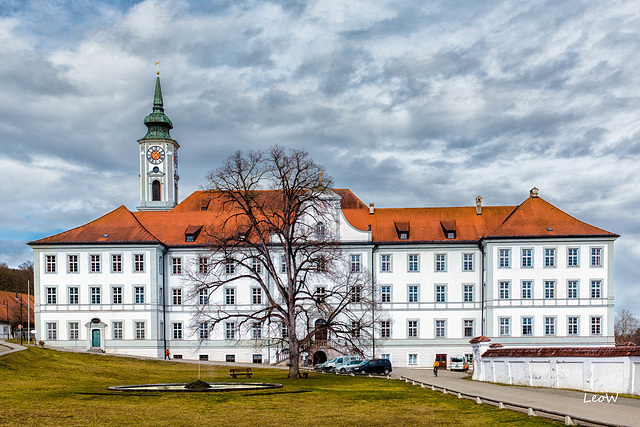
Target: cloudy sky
column 407, row 103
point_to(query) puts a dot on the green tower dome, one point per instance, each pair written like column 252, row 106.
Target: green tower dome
column 157, row 122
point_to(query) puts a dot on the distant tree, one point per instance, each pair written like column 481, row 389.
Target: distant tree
column 277, row 231
column 627, row 327
column 16, row 279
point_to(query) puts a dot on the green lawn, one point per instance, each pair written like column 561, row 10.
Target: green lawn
column 47, row 387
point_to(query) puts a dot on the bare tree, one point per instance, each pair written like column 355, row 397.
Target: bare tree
column 277, row 233
column 626, row 326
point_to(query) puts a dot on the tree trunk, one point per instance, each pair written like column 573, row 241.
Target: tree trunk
column 294, row 352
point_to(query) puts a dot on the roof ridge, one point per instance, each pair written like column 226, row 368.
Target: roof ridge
column 142, row 226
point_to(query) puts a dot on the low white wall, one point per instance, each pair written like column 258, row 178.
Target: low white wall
column 595, row 374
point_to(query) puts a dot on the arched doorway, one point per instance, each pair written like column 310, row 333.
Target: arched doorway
column 321, row 334
column 319, row 357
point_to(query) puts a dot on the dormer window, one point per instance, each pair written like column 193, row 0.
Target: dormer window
column 402, row 228
column 449, row 228
column 191, row 233
column 205, row 204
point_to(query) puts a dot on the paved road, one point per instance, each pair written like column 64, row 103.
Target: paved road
column 7, row 347
column 624, row 411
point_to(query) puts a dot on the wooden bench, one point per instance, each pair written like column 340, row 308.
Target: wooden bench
column 304, row 375
column 234, row 372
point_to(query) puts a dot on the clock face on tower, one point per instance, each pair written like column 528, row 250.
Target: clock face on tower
column 155, row 155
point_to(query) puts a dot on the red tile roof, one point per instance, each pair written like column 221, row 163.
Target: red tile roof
column 563, row 352
column 14, row 306
column 532, row 218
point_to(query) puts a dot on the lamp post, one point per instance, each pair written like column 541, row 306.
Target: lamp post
column 5, row 304
column 19, row 301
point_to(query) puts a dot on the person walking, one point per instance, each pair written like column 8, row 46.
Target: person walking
column 167, row 355
column 436, row 364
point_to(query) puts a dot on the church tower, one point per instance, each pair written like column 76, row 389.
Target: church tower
column 158, row 160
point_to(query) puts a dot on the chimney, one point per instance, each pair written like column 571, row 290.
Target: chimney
column 534, row 193
column 479, row 205
column 370, row 208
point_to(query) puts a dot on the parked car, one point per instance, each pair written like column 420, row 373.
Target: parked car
column 347, row 367
column 458, row 363
column 374, row 366
column 330, row 366
column 320, row 366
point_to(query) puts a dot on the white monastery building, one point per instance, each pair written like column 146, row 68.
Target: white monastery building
column 522, row 275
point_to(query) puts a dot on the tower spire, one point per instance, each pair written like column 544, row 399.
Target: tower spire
column 157, row 122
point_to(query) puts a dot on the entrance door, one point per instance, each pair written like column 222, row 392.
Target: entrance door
column 442, row 358
column 95, row 338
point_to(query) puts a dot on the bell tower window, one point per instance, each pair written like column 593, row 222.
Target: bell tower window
column 155, row 191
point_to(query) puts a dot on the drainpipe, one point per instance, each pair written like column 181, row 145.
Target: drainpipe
column 482, row 284
column 164, row 301
column 373, row 306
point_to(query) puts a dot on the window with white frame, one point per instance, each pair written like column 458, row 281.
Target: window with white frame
column 138, row 293
column 441, row 293
column 440, row 328
column 94, row 291
column 72, row 264
column 50, row 263
column 176, row 265
column 52, row 295
column 596, row 257
column 256, row 265
column 468, row 328
column 596, row 288
column 116, row 263
column 385, row 356
column 203, row 265
column 413, row 358
column 596, row 324
column 385, row 293
column 572, row 257
column 572, row 289
column 527, row 326
column 176, row 296
column 117, row 330
column 74, row 331
column 505, row 326
column 385, row 329
column 385, row 263
column 355, row 328
column 203, row 330
column 412, row 291
column 441, row 262
column 526, row 258
column 504, row 258
column 229, row 267
column 229, row 296
column 527, row 289
column 256, row 330
column 355, row 263
column 140, row 330
column 572, row 325
column 320, row 231
column 412, row 326
column 138, row 263
column 95, row 263
column 467, row 262
column 549, row 325
column 283, row 264
column 177, row 331
column 52, row 331
column 320, row 294
column 355, row 293
column 503, row 290
column 229, row 330
column 202, row 296
column 284, row 330
column 549, row 257
column 467, row 293
column 74, row 297
column 116, row 293
column 256, row 296
column 549, row 289
column 413, row 263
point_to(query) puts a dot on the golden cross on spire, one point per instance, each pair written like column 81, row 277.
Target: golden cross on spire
column 158, row 67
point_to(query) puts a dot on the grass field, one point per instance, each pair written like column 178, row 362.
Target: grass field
column 47, row 387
